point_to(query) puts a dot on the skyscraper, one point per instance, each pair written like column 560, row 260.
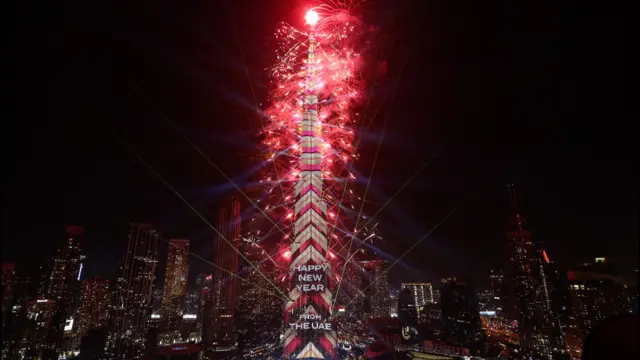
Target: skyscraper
column 537, row 324
column 379, row 296
column 596, row 294
column 175, row 287
column 8, row 277
column 422, row 293
column 460, row 313
column 218, row 330
column 132, row 300
column 16, row 322
column 93, row 310
column 259, row 317
column 203, row 288
column 407, row 312
column 61, row 286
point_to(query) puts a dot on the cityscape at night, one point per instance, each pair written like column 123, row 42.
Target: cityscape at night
column 325, row 179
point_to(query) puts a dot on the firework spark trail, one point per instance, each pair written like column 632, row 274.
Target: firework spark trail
column 415, row 174
column 197, row 149
column 366, row 190
column 281, row 139
column 364, row 197
column 166, row 183
column 361, row 135
column 246, row 69
column 222, row 269
column 434, row 228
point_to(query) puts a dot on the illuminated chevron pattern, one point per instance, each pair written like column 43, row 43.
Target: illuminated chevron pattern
column 310, row 243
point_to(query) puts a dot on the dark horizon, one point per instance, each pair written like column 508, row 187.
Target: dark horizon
column 492, row 93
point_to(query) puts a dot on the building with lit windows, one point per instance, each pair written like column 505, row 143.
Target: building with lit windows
column 538, row 326
column 16, row 324
column 460, row 313
column 61, row 283
column 40, row 340
column 259, row 316
column 175, row 289
column 218, row 329
column 132, row 297
column 596, row 293
column 94, row 304
column 421, row 293
column 8, row 277
column 377, row 280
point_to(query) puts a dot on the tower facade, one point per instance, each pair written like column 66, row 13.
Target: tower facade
column 422, row 294
column 259, row 317
column 62, row 285
column 133, row 295
column 460, row 313
column 175, row 287
column 8, row 278
column 218, row 330
column 93, row 310
column 537, row 323
column 309, row 332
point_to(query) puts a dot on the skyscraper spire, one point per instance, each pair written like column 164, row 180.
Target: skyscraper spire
column 309, row 334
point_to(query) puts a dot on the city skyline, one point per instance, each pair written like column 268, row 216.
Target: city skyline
column 473, row 153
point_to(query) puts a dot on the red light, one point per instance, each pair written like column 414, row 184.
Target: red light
column 331, row 255
column 544, row 255
column 287, row 254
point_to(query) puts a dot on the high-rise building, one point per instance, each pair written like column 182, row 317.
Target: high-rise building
column 38, row 340
column 596, row 294
column 407, row 312
column 61, row 287
column 218, row 330
column 460, row 313
column 259, row 316
column 15, row 321
column 175, row 288
column 8, row 277
column 393, row 302
column 132, row 298
column 377, row 283
column 203, row 288
column 502, row 301
column 94, row 304
column 421, row 293
column 538, row 327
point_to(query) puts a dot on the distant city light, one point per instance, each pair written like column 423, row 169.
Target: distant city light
column 80, row 272
column 68, row 326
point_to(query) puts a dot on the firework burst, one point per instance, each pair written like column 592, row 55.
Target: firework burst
column 338, row 85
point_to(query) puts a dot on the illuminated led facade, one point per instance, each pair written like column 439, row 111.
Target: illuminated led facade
column 132, row 300
column 219, row 322
column 94, row 305
column 307, row 313
column 175, row 287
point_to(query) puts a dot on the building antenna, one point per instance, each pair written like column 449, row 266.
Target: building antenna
column 513, row 197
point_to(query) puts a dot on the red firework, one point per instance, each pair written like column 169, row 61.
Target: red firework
column 338, row 66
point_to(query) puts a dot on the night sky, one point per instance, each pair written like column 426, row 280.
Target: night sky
column 488, row 92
